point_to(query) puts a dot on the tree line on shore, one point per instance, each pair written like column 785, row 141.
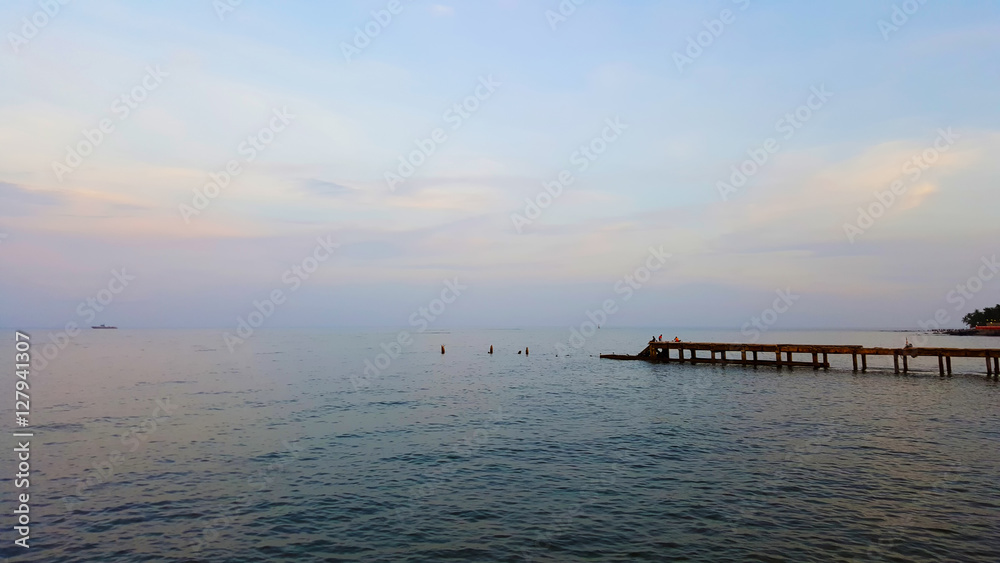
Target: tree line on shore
column 982, row 318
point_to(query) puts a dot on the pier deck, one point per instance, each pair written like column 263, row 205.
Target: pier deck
column 783, row 355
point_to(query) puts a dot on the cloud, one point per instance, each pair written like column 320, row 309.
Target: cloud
column 16, row 201
column 314, row 186
column 442, row 10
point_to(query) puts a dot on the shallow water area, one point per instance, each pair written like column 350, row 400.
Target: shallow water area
column 162, row 445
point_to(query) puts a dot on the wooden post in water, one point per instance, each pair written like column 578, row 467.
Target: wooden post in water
column 948, row 363
column 906, row 366
column 989, row 366
column 723, row 356
column 864, row 362
column 826, row 361
column 895, row 361
column 653, row 352
column 713, row 356
column 788, row 356
column 743, row 357
column 815, row 361
column 777, row 356
column 940, row 365
column 755, row 359
column 996, row 368
column 855, row 358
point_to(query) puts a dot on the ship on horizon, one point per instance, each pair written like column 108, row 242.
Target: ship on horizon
column 105, row 327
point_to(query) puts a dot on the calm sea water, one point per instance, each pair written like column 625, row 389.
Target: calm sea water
column 165, row 446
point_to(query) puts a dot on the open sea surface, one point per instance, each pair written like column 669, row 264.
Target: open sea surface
column 162, row 445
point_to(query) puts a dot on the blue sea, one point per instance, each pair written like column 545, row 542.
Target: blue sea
column 165, row 445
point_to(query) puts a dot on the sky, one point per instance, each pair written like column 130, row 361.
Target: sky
column 178, row 164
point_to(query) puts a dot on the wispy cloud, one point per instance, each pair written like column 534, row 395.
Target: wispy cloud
column 442, row 10
column 16, row 201
column 323, row 188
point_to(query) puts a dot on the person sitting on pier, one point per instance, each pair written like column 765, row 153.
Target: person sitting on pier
column 661, row 338
column 908, row 344
column 677, row 339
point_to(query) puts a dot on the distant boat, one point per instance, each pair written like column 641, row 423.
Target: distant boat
column 105, row 327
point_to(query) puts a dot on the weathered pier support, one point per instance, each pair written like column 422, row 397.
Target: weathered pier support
column 719, row 353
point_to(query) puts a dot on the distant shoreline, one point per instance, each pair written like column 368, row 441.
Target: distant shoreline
column 968, row 332
column 949, row 331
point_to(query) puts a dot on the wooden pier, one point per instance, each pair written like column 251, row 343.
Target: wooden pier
column 817, row 355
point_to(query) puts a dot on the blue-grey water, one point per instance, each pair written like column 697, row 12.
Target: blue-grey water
column 165, row 446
